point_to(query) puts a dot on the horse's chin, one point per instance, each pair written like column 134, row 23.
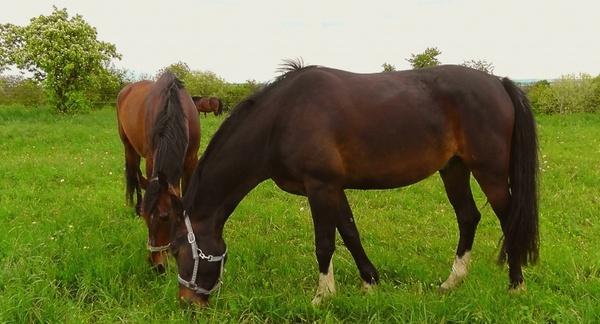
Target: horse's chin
column 189, row 297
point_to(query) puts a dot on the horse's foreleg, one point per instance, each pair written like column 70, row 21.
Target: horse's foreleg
column 456, row 181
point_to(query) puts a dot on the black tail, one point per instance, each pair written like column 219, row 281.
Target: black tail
column 521, row 239
column 132, row 181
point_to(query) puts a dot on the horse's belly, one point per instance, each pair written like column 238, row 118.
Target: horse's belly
column 378, row 175
column 396, row 164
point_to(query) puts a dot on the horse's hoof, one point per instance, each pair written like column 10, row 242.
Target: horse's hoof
column 316, row 301
column 518, row 289
column 444, row 289
column 367, row 287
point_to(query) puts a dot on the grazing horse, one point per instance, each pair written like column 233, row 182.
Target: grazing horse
column 157, row 121
column 316, row 131
column 211, row 104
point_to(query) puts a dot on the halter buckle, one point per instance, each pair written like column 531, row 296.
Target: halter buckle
column 191, row 237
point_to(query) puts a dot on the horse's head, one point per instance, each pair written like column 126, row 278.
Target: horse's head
column 158, row 212
column 200, row 254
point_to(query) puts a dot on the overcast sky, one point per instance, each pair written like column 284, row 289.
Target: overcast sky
column 241, row 40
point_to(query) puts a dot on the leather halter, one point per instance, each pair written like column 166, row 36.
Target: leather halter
column 199, row 255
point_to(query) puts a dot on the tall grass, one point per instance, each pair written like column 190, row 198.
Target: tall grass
column 71, row 251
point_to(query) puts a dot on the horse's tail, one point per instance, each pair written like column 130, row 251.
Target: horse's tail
column 220, row 109
column 521, row 238
column 132, row 173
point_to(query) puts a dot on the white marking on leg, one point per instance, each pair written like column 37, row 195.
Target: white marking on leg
column 460, row 269
column 326, row 286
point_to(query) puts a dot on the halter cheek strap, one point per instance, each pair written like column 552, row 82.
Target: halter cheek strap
column 149, row 245
column 198, row 255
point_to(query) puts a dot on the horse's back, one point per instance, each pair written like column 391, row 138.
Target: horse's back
column 131, row 114
column 388, row 129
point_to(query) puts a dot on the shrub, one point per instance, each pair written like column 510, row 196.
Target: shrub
column 568, row 94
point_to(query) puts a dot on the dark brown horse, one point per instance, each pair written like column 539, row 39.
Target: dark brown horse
column 157, row 121
column 316, row 131
column 207, row 105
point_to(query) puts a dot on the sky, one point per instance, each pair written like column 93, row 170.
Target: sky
column 247, row 40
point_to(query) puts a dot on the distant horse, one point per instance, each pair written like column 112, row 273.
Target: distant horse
column 211, row 104
column 157, row 121
column 316, row 131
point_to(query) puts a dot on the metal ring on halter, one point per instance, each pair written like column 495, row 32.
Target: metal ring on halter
column 197, row 255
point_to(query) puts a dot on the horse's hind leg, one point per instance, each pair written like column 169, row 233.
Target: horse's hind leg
column 456, row 181
column 330, row 209
column 495, row 187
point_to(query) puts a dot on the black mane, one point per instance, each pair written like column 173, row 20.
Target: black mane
column 169, row 139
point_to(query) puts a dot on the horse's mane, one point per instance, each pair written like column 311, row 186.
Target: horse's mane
column 288, row 68
column 169, row 138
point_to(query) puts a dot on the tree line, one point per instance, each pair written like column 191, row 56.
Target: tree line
column 72, row 71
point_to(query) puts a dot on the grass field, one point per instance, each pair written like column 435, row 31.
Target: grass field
column 71, row 251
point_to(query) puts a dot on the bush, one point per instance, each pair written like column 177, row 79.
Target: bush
column 234, row 93
column 206, row 83
column 569, row 94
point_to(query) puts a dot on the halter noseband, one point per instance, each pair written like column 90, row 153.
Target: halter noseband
column 157, row 249
column 197, row 255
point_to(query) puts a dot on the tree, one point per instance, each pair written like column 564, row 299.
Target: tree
column 426, row 59
column 388, row 67
column 481, row 65
column 61, row 51
column 204, row 83
column 180, row 69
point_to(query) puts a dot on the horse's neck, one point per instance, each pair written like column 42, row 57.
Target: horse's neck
column 230, row 172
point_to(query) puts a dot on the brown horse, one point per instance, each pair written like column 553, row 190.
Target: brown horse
column 211, row 104
column 316, row 131
column 157, row 121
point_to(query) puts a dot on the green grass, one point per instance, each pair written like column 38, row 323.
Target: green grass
column 71, row 251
